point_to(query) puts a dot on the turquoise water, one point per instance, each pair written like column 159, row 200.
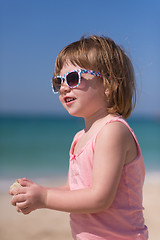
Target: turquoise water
column 39, row 146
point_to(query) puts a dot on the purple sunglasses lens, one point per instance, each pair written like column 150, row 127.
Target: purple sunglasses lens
column 56, row 84
column 72, row 79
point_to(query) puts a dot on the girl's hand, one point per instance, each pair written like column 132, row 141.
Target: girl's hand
column 29, row 197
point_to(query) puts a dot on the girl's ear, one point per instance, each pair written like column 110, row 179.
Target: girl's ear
column 106, row 92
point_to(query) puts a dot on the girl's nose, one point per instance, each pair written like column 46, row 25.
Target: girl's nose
column 64, row 87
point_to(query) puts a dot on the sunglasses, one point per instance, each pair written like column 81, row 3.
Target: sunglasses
column 72, row 79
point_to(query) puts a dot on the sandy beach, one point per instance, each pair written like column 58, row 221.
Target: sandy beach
column 48, row 225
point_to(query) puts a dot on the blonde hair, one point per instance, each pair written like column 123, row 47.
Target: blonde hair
column 101, row 54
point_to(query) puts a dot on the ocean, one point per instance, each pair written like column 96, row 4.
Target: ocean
column 39, row 146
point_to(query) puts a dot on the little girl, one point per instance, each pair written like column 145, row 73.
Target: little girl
column 95, row 80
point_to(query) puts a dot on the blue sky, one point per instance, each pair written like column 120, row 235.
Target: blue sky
column 34, row 31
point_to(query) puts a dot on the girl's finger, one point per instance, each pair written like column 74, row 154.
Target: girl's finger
column 18, row 198
column 13, row 202
column 21, row 205
column 22, row 190
column 25, row 211
column 11, row 192
column 18, row 210
column 25, row 182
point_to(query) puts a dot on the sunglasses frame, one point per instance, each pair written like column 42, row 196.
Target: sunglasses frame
column 79, row 71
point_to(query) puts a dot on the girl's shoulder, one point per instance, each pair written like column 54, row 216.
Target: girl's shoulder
column 117, row 134
column 78, row 135
column 114, row 126
column 118, row 126
column 115, row 129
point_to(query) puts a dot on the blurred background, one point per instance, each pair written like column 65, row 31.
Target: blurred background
column 35, row 131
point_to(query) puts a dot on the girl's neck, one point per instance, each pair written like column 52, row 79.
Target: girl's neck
column 95, row 119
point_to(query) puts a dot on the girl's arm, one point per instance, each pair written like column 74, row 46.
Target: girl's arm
column 111, row 149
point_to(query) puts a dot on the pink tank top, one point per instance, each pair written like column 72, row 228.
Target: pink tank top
column 123, row 220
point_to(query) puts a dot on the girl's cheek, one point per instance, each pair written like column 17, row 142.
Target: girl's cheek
column 82, row 84
column 62, row 102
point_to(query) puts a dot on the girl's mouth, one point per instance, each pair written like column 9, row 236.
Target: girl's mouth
column 69, row 99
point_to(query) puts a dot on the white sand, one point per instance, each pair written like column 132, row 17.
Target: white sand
column 48, row 225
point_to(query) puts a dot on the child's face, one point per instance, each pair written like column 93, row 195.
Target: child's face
column 86, row 99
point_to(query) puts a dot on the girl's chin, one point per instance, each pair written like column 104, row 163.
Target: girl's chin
column 74, row 113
